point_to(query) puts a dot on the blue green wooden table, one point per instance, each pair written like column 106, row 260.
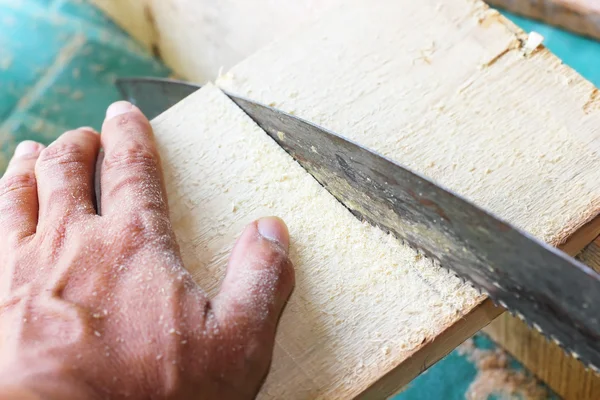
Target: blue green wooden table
column 58, row 63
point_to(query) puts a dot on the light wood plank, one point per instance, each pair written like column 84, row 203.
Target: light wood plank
column 448, row 91
column 522, row 115
column 580, row 16
column 591, row 256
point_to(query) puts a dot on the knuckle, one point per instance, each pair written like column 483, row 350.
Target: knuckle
column 284, row 273
column 133, row 228
column 287, row 272
column 61, row 153
column 54, row 236
column 141, row 228
column 134, row 156
column 14, row 239
column 17, row 183
column 273, row 255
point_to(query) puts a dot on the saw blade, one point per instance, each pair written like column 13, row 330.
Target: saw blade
column 552, row 292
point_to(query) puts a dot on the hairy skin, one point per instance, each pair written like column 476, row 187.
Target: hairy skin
column 100, row 306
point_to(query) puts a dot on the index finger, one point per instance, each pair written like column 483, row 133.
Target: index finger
column 131, row 177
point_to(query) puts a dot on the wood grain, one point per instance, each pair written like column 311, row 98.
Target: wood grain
column 580, row 16
column 444, row 88
column 591, row 255
column 456, row 99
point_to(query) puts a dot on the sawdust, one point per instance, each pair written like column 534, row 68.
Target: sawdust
column 593, row 102
column 494, row 377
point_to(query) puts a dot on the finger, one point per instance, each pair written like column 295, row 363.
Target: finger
column 65, row 175
column 18, row 191
column 259, row 278
column 131, row 174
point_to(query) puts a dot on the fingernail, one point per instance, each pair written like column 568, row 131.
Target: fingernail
column 26, row 147
column 118, row 108
column 275, row 230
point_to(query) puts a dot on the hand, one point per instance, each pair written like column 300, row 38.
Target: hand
column 100, row 306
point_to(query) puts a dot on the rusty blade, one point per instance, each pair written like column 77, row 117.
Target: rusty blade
column 548, row 289
column 154, row 95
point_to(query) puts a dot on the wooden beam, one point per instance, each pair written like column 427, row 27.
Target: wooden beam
column 580, row 16
column 449, row 89
column 591, row 255
column 200, row 37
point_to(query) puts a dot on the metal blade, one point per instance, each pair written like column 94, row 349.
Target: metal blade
column 154, row 95
column 550, row 290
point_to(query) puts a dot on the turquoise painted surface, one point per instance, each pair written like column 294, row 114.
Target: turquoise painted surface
column 58, row 62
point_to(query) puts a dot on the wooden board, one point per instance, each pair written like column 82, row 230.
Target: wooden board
column 365, row 306
column 450, row 93
column 580, row 16
column 591, row 255
column 248, row 78
column 446, row 88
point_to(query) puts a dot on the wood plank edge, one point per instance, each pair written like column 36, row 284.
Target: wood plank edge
column 432, row 351
column 582, row 237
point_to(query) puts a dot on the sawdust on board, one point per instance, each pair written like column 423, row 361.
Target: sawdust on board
column 494, row 377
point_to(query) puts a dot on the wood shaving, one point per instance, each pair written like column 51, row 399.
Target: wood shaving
column 533, row 42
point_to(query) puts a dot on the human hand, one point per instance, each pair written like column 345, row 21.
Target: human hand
column 100, row 306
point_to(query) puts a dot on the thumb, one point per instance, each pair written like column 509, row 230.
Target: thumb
column 259, row 278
